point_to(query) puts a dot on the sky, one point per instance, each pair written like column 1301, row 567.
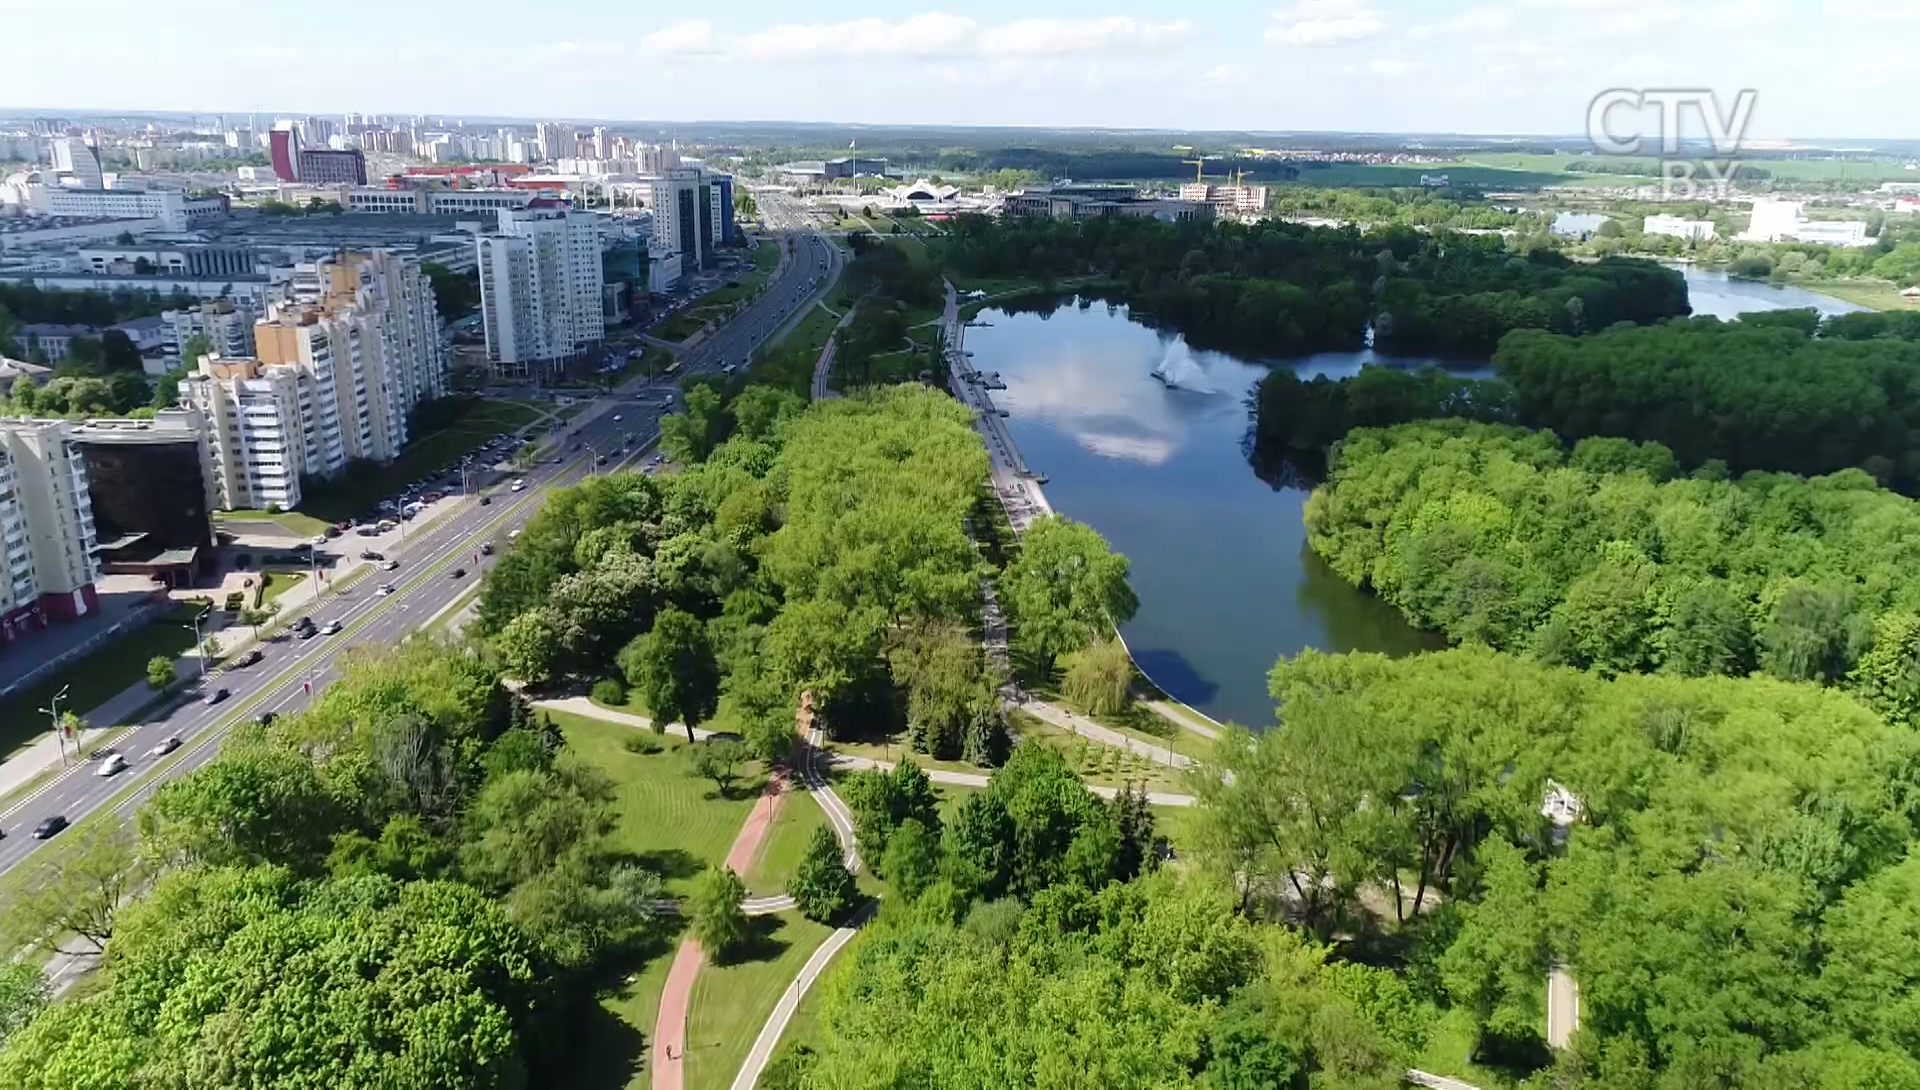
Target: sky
column 1819, row 68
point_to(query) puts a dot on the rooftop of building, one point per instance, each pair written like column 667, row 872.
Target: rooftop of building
column 12, row 224
column 168, row 426
column 58, row 329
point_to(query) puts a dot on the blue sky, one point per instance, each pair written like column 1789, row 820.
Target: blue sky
column 1834, row 68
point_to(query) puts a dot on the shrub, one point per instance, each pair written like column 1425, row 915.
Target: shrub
column 642, row 744
column 609, row 691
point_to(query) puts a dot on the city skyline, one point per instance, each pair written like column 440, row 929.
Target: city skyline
column 1413, row 66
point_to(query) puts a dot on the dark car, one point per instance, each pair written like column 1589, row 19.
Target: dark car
column 266, row 719
column 216, row 697
column 49, row 827
column 372, row 554
column 458, row 573
column 486, row 548
column 249, row 658
column 486, row 501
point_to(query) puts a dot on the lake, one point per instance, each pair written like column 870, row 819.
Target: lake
column 1226, row 582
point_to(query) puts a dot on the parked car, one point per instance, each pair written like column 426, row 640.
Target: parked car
column 616, row 418
column 372, row 554
column 50, row 826
column 112, row 765
column 164, row 746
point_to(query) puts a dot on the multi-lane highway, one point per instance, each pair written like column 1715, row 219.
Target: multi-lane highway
column 424, row 587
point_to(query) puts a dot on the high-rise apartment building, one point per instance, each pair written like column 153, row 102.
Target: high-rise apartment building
column 557, row 141
column 227, row 326
column 331, row 379
column 46, row 528
column 540, row 287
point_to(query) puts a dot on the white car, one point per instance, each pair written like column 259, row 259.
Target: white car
column 519, row 486
column 112, row 766
column 616, row 418
column 513, row 534
column 386, row 589
column 164, row 746
column 331, row 628
column 389, row 565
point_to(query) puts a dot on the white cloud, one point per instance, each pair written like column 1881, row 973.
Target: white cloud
column 1113, row 34
column 1480, row 21
column 932, row 33
column 1871, row 9
column 686, row 37
column 1324, row 23
column 1388, row 66
column 1224, row 75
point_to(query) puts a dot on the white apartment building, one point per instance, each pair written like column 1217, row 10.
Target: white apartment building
column 80, row 161
column 1678, row 227
column 330, row 380
column 175, row 210
column 46, row 528
column 227, row 325
column 540, row 287
column 436, row 202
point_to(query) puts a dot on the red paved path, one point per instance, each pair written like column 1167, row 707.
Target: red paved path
column 670, row 1028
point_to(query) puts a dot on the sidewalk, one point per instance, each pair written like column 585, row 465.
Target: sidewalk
column 1081, row 725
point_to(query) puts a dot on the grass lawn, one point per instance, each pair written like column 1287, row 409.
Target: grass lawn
column 610, row 1044
column 731, row 1002
column 895, row 749
column 95, row 679
column 786, row 842
column 1873, row 294
column 303, row 524
column 351, row 496
column 280, row 582
column 674, row 822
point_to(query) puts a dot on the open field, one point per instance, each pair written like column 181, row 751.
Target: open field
column 786, row 842
column 672, row 821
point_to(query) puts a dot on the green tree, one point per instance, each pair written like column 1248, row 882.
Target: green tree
column 78, row 893
column 24, row 993
column 821, row 885
column 160, row 672
column 912, row 858
column 719, row 760
column 689, row 436
column 256, row 803
column 717, row 922
column 1066, row 588
column 1098, row 677
column 673, row 670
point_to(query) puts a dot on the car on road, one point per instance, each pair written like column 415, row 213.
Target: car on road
column 616, row 418
column 216, row 697
column 385, row 589
column 266, row 719
column 458, row 573
column 164, row 746
column 520, row 486
column 486, row 548
column 390, row 565
column 113, row 765
column 50, row 826
column 486, row 501
column 331, row 628
column 248, row 659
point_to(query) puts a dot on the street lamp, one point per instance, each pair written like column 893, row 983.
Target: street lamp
column 199, row 644
column 59, row 729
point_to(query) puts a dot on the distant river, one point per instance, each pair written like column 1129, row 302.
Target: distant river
column 1226, row 582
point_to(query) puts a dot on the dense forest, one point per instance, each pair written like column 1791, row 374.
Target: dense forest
column 1276, row 289
column 1767, row 392
column 1604, row 557
column 1775, row 390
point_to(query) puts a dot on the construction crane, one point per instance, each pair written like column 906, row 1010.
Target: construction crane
column 1237, row 176
column 1199, row 167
